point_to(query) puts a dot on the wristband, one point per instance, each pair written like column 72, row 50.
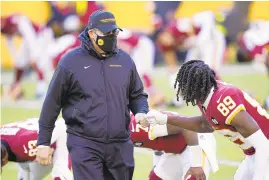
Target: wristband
column 256, row 139
column 157, row 131
column 196, row 156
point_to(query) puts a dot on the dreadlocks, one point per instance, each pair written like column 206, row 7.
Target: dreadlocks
column 3, row 154
column 195, row 80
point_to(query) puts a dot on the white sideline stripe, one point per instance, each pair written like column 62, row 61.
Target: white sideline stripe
column 26, row 104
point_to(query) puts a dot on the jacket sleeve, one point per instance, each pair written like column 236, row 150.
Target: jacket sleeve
column 137, row 96
column 53, row 103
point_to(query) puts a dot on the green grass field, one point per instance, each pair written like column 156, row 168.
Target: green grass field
column 257, row 84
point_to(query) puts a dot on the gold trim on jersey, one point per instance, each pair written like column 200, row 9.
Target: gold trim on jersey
column 239, row 108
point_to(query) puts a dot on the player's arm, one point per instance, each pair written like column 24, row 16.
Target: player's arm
column 197, row 155
column 26, row 29
column 250, row 130
column 196, row 123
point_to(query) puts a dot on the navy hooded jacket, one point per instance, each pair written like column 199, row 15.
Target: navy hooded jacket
column 95, row 94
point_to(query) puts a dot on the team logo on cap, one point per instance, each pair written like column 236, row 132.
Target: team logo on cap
column 108, row 20
column 100, row 42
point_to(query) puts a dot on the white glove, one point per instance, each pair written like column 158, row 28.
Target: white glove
column 156, row 117
column 141, row 119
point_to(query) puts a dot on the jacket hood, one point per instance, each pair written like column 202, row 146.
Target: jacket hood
column 86, row 42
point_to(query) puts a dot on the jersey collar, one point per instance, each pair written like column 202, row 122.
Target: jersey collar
column 208, row 98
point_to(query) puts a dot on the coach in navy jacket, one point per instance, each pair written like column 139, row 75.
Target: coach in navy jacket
column 95, row 85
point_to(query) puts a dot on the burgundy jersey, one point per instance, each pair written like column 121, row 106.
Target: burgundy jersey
column 169, row 144
column 68, row 46
column 253, row 42
column 90, row 7
column 22, row 139
column 14, row 23
column 129, row 38
column 224, row 104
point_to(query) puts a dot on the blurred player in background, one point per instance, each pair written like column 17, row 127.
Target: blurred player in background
column 142, row 50
column 183, row 156
column 200, row 35
column 32, row 52
column 226, row 109
column 67, row 41
column 18, row 144
column 254, row 46
column 60, row 11
column 85, row 8
column 62, row 45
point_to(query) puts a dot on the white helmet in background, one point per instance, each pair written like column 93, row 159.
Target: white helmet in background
column 124, row 34
column 71, row 23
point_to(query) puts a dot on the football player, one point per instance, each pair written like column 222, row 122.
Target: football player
column 35, row 40
column 199, row 36
column 254, row 46
column 226, row 109
column 183, row 157
column 142, row 50
column 18, row 144
column 254, row 43
column 61, row 46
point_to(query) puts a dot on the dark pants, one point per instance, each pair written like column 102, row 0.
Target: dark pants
column 98, row 161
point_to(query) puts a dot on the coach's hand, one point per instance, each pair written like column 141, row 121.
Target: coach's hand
column 44, row 155
column 195, row 173
column 141, row 119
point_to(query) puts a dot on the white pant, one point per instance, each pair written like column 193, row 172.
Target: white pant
column 211, row 51
column 59, row 168
column 143, row 55
column 245, row 170
column 175, row 166
column 24, row 55
column 33, row 171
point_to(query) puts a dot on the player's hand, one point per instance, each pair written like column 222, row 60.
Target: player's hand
column 196, row 172
column 44, row 155
column 156, row 117
column 141, row 119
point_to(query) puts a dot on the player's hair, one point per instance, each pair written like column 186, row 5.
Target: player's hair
column 195, row 80
column 3, row 154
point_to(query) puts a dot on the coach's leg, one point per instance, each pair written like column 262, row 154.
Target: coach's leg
column 120, row 160
column 86, row 157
